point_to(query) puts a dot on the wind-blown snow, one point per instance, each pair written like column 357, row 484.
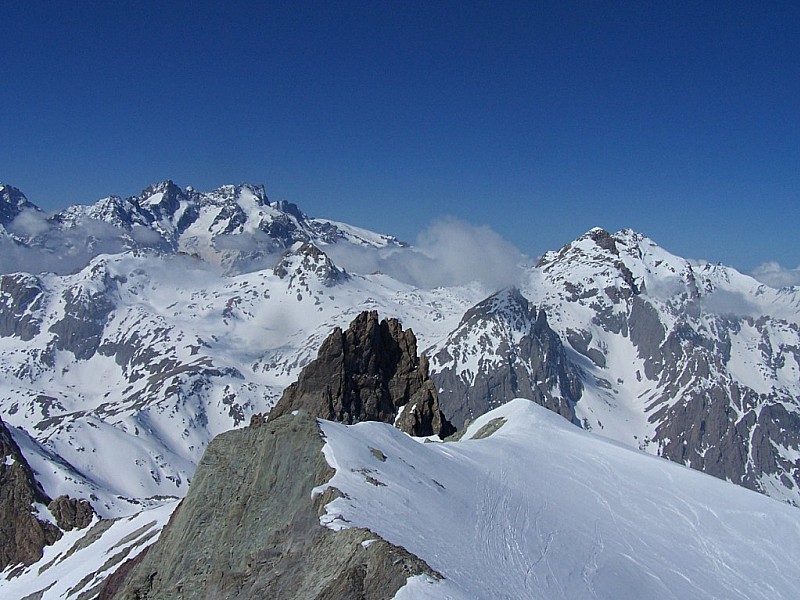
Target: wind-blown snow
column 542, row 509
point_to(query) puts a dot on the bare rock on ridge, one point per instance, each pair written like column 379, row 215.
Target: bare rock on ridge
column 249, row 528
column 370, row 372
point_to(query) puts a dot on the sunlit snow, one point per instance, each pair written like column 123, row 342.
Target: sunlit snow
column 541, row 509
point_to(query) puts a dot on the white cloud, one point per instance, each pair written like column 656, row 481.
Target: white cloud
column 55, row 250
column 773, row 274
column 722, row 302
column 29, row 223
column 449, row 252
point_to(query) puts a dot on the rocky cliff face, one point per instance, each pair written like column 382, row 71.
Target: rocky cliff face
column 370, row 372
column 27, row 513
column 22, row 533
column 21, row 301
column 503, row 349
column 249, row 528
column 12, row 203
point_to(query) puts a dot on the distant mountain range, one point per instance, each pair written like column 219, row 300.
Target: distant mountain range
column 235, row 227
column 133, row 331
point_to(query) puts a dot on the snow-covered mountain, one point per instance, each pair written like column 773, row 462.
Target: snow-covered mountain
column 502, row 349
column 691, row 361
column 173, row 316
column 235, row 227
column 12, row 203
column 126, row 370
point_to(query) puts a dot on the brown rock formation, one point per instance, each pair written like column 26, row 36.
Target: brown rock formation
column 371, row 372
column 22, row 535
column 71, row 513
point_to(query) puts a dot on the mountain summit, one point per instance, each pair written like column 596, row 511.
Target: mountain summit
column 503, row 349
column 235, row 227
column 693, row 361
column 12, row 203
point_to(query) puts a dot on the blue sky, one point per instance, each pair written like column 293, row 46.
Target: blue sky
column 540, row 120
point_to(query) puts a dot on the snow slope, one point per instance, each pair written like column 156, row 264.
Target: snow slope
column 81, row 560
column 542, row 509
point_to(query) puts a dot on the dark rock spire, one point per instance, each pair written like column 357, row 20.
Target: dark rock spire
column 370, row 372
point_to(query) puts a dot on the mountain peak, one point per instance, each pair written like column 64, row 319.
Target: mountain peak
column 290, row 208
column 503, row 349
column 304, row 258
column 508, row 303
column 163, row 197
column 232, row 193
column 13, row 202
column 603, row 239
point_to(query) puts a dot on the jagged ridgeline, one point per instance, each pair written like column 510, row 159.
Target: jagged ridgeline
column 249, row 526
column 234, row 226
column 502, row 349
column 370, row 372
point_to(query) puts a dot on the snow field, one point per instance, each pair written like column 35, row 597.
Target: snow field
column 542, row 509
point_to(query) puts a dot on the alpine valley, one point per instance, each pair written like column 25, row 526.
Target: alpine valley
column 135, row 331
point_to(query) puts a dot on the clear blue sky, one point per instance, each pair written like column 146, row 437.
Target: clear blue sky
column 541, row 120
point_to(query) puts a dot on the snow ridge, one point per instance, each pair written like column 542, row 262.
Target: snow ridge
column 541, row 509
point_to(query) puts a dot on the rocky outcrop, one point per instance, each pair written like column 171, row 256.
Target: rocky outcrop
column 80, row 330
column 21, row 301
column 22, row 534
column 249, row 528
column 722, row 427
column 371, row 372
column 503, row 349
column 25, row 525
column 305, row 260
column 71, row 513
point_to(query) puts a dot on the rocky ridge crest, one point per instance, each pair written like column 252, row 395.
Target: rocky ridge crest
column 249, row 528
column 370, row 372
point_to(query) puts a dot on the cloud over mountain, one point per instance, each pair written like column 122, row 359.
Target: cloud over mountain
column 448, row 252
column 775, row 275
